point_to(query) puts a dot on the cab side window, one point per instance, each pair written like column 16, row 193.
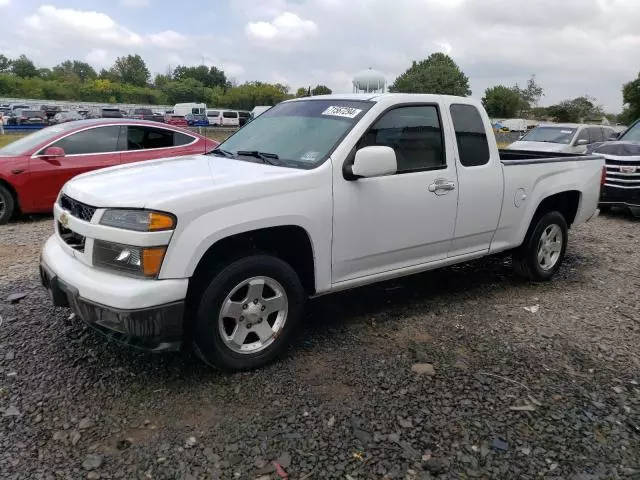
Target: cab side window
column 471, row 135
column 414, row 133
column 595, row 135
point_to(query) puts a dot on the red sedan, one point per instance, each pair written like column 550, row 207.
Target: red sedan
column 34, row 168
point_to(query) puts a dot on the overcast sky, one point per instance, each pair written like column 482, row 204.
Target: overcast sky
column 575, row 47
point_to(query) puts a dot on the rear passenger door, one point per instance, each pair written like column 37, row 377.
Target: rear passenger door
column 387, row 223
column 142, row 142
column 480, row 181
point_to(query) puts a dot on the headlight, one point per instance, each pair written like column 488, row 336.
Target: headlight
column 128, row 259
column 138, row 220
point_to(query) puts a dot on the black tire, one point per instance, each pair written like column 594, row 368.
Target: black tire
column 7, row 205
column 208, row 342
column 525, row 259
column 605, row 208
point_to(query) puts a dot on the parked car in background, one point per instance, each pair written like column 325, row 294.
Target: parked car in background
column 63, row 117
column 243, row 117
column 190, row 108
column 562, row 138
column 215, row 117
column 30, row 117
column 196, row 120
column 222, row 252
column 104, row 112
column 176, row 120
column 19, row 106
column 50, row 110
column 33, row 168
column 257, row 111
column 142, row 114
column 223, row 118
column 158, row 117
column 622, row 183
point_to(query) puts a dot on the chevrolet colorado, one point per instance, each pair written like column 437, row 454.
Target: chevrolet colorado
column 316, row 195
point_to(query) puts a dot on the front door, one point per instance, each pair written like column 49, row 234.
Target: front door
column 407, row 219
column 85, row 150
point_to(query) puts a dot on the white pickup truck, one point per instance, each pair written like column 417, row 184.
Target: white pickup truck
column 316, row 195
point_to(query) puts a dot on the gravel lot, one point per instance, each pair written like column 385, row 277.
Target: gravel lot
column 513, row 393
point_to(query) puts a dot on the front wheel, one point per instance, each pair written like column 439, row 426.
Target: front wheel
column 7, row 205
column 542, row 253
column 248, row 313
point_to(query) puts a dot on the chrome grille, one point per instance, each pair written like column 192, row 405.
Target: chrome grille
column 77, row 209
column 623, row 173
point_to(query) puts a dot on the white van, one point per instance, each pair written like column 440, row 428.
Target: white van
column 183, row 109
column 223, row 118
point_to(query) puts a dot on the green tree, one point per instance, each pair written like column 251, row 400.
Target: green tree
column 631, row 100
column 160, row 80
column 302, row 92
column 74, row 71
column 210, row 77
column 438, row 74
column 577, row 110
column 131, row 69
column 501, row 101
column 321, row 90
column 5, row 64
column 23, row 67
column 531, row 95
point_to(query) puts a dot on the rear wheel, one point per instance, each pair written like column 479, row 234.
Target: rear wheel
column 248, row 313
column 605, row 208
column 542, row 253
column 7, row 205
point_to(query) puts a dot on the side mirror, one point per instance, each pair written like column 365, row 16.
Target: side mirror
column 373, row 161
column 582, row 142
column 53, row 153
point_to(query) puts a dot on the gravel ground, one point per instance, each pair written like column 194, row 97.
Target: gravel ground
column 444, row 375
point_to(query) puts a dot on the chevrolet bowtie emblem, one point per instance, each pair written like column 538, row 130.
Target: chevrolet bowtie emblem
column 64, row 219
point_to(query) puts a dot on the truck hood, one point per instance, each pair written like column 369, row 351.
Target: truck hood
column 160, row 183
column 538, row 146
column 626, row 150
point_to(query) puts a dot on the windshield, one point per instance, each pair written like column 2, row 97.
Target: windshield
column 633, row 134
column 34, row 139
column 301, row 133
column 550, row 134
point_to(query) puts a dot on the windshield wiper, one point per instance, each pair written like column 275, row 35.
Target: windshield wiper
column 219, row 151
column 266, row 157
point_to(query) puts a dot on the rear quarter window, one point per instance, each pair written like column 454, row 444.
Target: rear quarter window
column 471, row 136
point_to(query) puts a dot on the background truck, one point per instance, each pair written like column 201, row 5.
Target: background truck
column 314, row 196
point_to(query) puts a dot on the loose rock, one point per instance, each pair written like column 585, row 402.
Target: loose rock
column 92, row 462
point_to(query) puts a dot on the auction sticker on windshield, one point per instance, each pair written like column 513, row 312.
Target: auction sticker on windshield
column 347, row 112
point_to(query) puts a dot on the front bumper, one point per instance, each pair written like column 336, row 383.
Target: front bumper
column 620, row 197
column 137, row 321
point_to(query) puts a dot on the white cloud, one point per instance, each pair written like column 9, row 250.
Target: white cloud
column 286, row 27
column 94, row 27
column 4, row 2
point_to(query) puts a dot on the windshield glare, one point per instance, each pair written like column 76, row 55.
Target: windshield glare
column 302, row 133
column 550, row 135
column 633, row 134
column 24, row 144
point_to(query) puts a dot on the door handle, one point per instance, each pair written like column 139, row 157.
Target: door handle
column 441, row 185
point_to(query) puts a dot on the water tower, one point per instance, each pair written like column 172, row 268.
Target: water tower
column 369, row 81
